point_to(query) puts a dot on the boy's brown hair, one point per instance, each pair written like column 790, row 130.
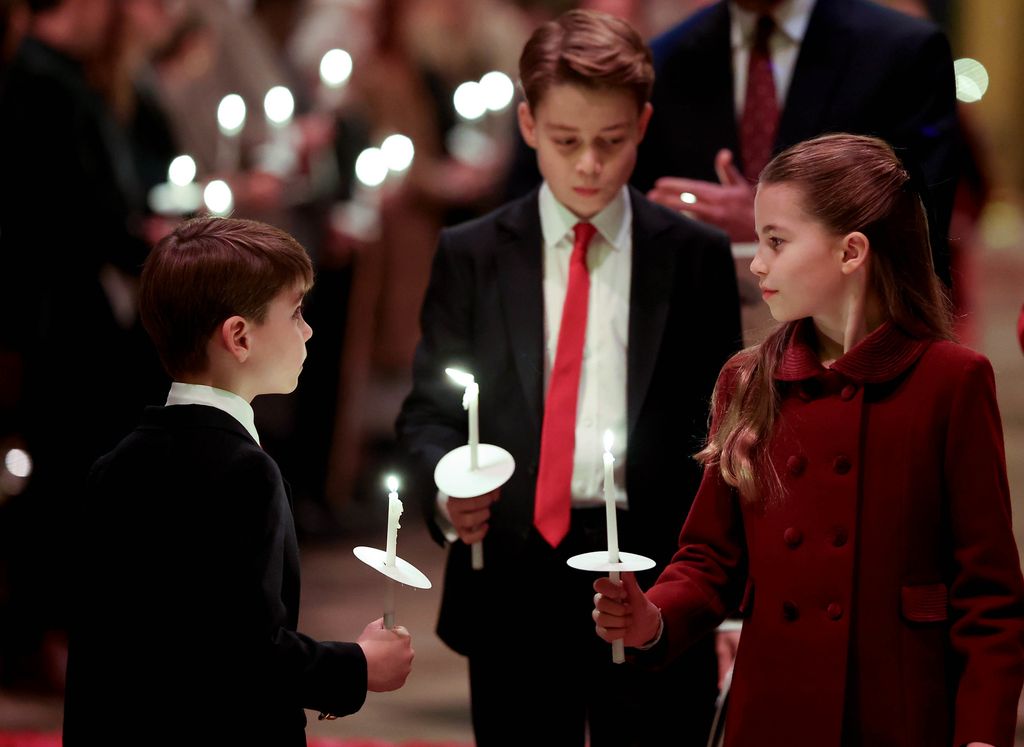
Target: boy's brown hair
column 590, row 49
column 210, row 269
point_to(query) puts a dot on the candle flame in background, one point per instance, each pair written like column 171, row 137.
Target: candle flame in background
column 371, row 167
column 971, row 79
column 392, row 483
column 218, row 197
column 460, row 377
column 609, row 440
column 470, row 100
column 335, row 68
column 182, row 171
column 498, row 90
column 231, row 114
column 18, row 463
column 279, row 105
column 398, row 152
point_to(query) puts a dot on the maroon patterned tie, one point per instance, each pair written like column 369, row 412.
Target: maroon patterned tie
column 558, row 433
column 760, row 122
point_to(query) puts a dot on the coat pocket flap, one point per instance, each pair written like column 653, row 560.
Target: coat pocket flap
column 925, row 603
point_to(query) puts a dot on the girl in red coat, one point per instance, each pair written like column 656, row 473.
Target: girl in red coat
column 854, row 505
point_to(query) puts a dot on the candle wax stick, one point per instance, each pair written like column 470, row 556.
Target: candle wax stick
column 618, row 647
column 389, row 604
column 472, row 404
column 477, row 550
column 609, row 503
column 394, row 512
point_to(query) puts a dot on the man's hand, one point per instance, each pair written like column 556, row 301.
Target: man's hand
column 728, row 205
column 622, row 611
column 388, row 655
column 470, row 515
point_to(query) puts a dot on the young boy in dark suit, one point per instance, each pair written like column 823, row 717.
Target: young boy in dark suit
column 580, row 308
column 185, row 629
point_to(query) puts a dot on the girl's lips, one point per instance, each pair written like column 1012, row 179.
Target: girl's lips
column 766, row 294
column 586, row 191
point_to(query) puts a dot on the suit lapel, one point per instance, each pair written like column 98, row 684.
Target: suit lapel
column 649, row 298
column 816, row 77
column 519, row 258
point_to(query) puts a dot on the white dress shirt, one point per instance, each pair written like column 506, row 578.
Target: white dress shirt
column 791, row 19
column 602, row 398
column 229, row 402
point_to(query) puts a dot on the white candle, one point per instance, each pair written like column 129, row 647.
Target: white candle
column 470, row 402
column 618, row 648
column 394, row 512
column 609, row 499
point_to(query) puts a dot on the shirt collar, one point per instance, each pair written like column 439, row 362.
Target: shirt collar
column 791, row 18
column 881, row 356
column 614, row 222
column 229, row 402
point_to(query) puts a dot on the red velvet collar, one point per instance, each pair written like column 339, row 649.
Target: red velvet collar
column 881, row 356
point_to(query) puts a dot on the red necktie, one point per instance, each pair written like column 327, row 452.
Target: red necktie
column 558, row 435
column 760, row 121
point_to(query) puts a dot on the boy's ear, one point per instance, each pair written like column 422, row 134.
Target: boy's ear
column 856, row 250
column 527, row 124
column 234, row 336
column 645, row 119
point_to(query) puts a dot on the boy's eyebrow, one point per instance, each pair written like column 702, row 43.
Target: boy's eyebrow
column 573, row 128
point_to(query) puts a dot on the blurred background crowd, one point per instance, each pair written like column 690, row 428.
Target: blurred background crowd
column 360, row 126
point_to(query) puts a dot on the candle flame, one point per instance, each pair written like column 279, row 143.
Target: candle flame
column 392, row 483
column 609, row 440
column 460, row 377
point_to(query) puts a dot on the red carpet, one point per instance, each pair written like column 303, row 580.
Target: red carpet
column 27, row 739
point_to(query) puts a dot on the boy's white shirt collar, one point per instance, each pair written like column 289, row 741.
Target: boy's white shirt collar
column 229, row 402
column 614, row 222
column 791, row 18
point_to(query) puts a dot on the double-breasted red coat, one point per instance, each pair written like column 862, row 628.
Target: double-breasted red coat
column 882, row 592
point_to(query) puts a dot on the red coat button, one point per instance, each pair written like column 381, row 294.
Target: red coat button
column 796, row 465
column 841, row 465
column 849, row 392
column 834, row 611
column 793, row 537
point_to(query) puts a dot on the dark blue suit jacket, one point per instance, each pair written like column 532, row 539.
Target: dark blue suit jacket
column 862, row 69
column 188, row 596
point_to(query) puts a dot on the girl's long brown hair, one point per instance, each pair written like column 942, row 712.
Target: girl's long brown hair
column 849, row 183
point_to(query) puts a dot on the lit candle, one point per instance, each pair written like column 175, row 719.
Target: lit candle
column 230, row 121
column 470, row 402
column 609, row 499
column 618, row 649
column 394, row 511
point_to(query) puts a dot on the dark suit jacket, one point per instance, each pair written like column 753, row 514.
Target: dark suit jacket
column 862, row 69
column 484, row 310
column 185, row 627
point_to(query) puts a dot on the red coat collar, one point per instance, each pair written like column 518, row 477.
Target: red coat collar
column 881, row 356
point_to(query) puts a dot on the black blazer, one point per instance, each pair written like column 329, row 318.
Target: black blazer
column 185, row 625
column 862, row 69
column 484, row 310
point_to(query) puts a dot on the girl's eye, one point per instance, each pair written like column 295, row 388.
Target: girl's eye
column 565, row 143
column 774, row 242
column 298, row 312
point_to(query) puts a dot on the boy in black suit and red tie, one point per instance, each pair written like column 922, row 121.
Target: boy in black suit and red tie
column 185, row 629
column 581, row 308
